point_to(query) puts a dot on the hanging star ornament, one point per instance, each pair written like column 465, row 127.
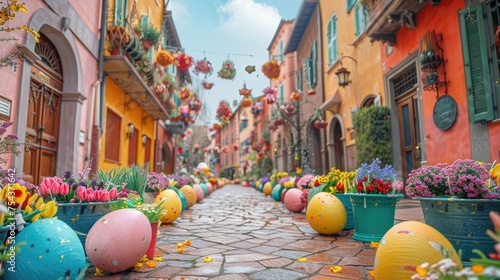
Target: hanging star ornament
column 250, row 69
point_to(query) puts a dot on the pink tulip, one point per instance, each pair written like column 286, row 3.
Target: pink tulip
column 105, row 196
column 81, row 193
column 44, row 191
column 64, row 189
column 91, row 197
column 113, row 193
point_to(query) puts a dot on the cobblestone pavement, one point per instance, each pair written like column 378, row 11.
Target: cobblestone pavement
column 250, row 236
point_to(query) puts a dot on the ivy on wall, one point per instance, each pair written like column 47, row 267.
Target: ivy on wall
column 373, row 134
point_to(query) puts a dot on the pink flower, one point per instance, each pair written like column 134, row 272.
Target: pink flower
column 44, row 191
column 50, row 185
column 64, row 189
column 91, row 195
column 81, row 193
column 113, row 193
column 105, row 196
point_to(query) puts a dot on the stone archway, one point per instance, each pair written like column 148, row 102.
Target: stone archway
column 48, row 23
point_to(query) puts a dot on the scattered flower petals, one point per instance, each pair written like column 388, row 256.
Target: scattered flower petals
column 151, row 264
column 98, row 272
column 187, row 242
column 138, row 265
column 371, row 273
column 207, row 259
column 180, row 247
column 374, row 244
column 336, row 269
column 158, row 259
column 302, row 260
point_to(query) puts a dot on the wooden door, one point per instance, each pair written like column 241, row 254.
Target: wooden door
column 409, row 133
column 42, row 126
column 132, row 147
column 338, row 148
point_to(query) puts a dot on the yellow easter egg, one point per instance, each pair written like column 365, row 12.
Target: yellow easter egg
column 189, row 194
column 408, row 245
column 326, row 214
column 171, row 203
column 257, row 184
column 268, row 188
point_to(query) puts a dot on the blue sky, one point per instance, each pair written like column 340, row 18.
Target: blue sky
column 240, row 30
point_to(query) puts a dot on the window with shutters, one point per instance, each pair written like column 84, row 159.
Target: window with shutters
column 331, row 37
column 282, row 50
column 312, row 67
column 478, row 24
column 360, row 16
column 282, row 94
column 299, row 79
column 120, row 13
column 349, row 4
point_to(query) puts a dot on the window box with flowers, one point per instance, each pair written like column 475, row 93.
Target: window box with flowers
column 456, row 200
column 374, row 200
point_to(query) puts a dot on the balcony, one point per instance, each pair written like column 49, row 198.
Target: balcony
column 386, row 17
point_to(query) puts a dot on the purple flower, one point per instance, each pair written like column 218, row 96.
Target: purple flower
column 12, row 136
column 6, row 124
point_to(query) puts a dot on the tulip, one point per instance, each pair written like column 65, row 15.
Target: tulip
column 113, row 193
column 105, row 196
column 50, row 209
column 44, row 191
column 64, row 189
column 91, row 196
column 81, row 193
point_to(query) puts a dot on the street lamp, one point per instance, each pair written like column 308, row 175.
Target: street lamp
column 343, row 73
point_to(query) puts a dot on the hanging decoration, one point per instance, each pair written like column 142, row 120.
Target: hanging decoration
column 224, row 113
column 271, row 69
column 217, row 126
column 257, row 108
column 311, row 92
column 235, row 147
column 206, row 149
column 164, row 58
column 184, row 111
column 182, row 61
column 203, row 66
column 296, row 96
column 288, row 109
column 246, row 102
column 184, row 93
column 207, row 85
column 250, row 69
column 228, row 71
column 195, row 104
column 270, row 95
column 317, row 120
column 244, row 91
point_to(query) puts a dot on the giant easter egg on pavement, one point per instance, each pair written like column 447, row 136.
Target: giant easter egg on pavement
column 326, row 214
column 189, row 194
column 210, row 187
column 118, row 240
column 199, row 192
column 408, row 245
column 172, row 203
column 268, row 188
column 52, row 251
column 276, row 193
column 293, row 201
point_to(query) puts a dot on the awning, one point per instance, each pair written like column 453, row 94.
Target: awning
column 332, row 104
column 123, row 73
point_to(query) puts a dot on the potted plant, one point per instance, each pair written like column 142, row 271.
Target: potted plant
column 456, row 200
column 153, row 212
column 150, row 36
column 374, row 200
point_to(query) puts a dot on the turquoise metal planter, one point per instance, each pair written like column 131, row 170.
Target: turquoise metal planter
column 373, row 215
column 343, row 198
column 463, row 221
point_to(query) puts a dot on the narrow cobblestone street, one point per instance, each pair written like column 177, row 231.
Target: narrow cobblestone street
column 251, row 236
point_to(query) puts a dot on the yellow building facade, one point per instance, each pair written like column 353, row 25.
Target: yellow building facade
column 346, row 47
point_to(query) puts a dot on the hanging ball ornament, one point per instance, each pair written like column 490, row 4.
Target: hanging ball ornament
column 250, row 69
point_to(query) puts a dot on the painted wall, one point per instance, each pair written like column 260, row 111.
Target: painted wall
column 443, row 21
column 366, row 71
column 115, row 100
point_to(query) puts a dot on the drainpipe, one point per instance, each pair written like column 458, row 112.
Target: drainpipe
column 99, row 108
column 324, row 136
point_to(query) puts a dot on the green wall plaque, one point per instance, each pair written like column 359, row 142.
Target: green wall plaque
column 445, row 112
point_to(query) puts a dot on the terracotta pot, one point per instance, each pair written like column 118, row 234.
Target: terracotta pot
column 147, row 44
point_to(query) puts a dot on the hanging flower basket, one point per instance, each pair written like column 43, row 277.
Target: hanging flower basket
column 184, row 93
column 223, row 112
column 311, row 92
column 271, row 69
column 296, row 96
column 206, row 149
column 270, row 95
column 257, row 108
column 246, row 102
column 207, row 85
column 288, row 109
column 164, row 58
column 182, row 61
column 320, row 124
column 195, row 104
column 227, row 72
column 235, row 147
column 203, row 66
column 245, row 92
column 217, row 126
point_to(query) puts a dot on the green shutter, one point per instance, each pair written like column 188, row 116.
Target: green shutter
column 281, row 51
column 350, row 4
column 477, row 77
column 299, row 79
column 360, row 19
column 282, row 94
column 307, row 63
column 313, row 66
column 329, row 38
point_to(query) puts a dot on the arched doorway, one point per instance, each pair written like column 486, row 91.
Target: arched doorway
column 44, row 104
column 336, row 149
column 167, row 160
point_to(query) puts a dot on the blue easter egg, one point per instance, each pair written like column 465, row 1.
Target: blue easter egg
column 277, row 190
column 205, row 189
column 182, row 197
column 52, row 250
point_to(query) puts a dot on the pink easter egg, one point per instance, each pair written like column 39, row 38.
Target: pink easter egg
column 210, row 187
column 283, row 194
column 293, row 202
column 199, row 192
column 118, row 240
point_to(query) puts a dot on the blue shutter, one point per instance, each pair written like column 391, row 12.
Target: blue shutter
column 282, row 94
column 313, row 66
column 477, row 75
column 331, row 35
column 349, row 4
column 281, row 51
column 299, row 79
column 360, row 19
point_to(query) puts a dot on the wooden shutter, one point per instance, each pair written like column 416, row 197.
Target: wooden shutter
column 477, row 77
column 282, row 94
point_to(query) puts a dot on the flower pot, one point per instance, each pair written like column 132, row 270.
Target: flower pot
column 152, row 246
column 147, row 44
column 373, row 215
column 462, row 221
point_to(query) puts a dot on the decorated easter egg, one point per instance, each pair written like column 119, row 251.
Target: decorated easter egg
column 199, row 192
column 257, row 184
column 204, row 188
column 293, row 201
column 313, row 192
column 189, row 194
column 326, row 214
column 118, row 240
column 171, row 203
column 406, row 246
column 210, row 187
column 283, row 193
column 268, row 188
column 276, row 193
column 182, row 198
column 52, row 251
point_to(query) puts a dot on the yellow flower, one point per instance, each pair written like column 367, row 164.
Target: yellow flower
column 374, row 244
column 298, row 170
column 422, row 271
column 151, row 264
column 187, row 242
column 180, row 247
column 302, row 260
column 477, row 268
column 158, row 259
column 98, row 272
column 207, row 259
column 336, row 269
column 14, row 195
